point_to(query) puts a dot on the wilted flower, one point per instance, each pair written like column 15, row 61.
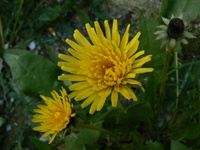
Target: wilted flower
column 174, row 31
column 106, row 66
column 55, row 115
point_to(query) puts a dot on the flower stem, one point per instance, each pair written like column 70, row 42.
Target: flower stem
column 1, row 38
column 163, row 80
column 177, row 84
column 14, row 31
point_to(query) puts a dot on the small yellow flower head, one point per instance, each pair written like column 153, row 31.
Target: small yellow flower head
column 107, row 65
column 55, row 115
column 173, row 31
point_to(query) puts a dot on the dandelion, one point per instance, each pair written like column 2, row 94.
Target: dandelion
column 174, row 31
column 55, row 115
column 106, row 66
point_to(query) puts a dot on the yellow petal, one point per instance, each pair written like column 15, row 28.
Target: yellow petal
column 94, row 105
column 89, row 100
column 70, row 69
column 133, row 49
column 75, row 46
column 122, row 90
column 115, row 33
column 78, row 86
column 72, row 77
column 142, row 70
column 114, row 98
column 82, row 41
column 105, row 92
column 125, row 38
column 130, row 91
column 132, row 81
column 84, row 93
column 132, row 42
column 77, row 54
column 92, row 34
column 107, row 30
column 141, row 61
column 101, row 103
column 52, row 138
column 98, row 28
column 131, row 75
column 138, row 54
column 68, row 58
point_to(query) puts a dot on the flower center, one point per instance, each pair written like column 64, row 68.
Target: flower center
column 57, row 114
column 111, row 77
column 175, row 28
column 108, row 69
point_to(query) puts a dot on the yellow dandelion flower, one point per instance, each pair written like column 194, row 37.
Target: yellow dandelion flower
column 55, row 115
column 105, row 66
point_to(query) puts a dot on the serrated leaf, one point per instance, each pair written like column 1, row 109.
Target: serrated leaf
column 32, row 73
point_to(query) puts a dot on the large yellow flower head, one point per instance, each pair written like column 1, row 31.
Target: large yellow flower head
column 55, row 115
column 105, row 66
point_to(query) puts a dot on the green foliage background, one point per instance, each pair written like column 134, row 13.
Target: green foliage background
column 27, row 73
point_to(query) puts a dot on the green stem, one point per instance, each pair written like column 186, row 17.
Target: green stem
column 149, row 127
column 189, row 64
column 177, row 84
column 163, row 80
column 1, row 38
column 13, row 33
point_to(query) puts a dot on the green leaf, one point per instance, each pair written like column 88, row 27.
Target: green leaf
column 50, row 14
column 39, row 144
column 32, row 73
column 149, row 43
column 164, row 7
column 151, row 46
column 176, row 145
column 155, row 146
column 78, row 141
column 135, row 114
column 83, row 16
column 188, row 131
column 53, row 56
column 141, row 111
column 2, row 121
column 189, row 8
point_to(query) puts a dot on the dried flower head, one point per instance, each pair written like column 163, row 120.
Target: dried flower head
column 174, row 31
